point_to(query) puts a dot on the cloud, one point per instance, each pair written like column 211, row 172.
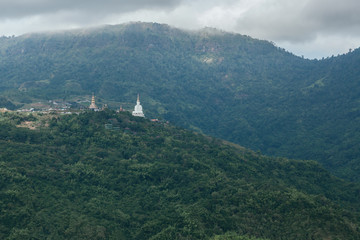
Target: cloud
column 334, row 16
column 10, row 9
column 276, row 20
column 23, row 16
column 300, row 21
column 304, row 27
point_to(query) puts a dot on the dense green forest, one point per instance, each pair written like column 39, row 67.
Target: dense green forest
column 107, row 175
column 226, row 85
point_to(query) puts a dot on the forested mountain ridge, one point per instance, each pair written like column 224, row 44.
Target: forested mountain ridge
column 75, row 177
column 227, row 85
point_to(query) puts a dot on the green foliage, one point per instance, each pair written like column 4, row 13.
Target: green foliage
column 226, row 85
column 233, row 236
column 4, row 103
column 141, row 180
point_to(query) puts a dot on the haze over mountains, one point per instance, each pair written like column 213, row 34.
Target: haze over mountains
column 226, row 85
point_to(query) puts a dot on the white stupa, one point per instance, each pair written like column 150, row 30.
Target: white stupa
column 138, row 112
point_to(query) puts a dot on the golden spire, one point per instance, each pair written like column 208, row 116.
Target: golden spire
column 93, row 99
column 93, row 105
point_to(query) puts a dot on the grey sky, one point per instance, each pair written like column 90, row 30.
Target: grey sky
column 313, row 28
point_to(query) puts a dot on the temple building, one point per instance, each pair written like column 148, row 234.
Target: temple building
column 138, row 112
column 93, row 105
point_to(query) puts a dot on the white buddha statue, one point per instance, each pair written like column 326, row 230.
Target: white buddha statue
column 138, row 112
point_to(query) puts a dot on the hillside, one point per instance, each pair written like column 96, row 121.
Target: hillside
column 226, row 85
column 107, row 175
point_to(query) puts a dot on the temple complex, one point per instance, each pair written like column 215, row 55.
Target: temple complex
column 138, row 112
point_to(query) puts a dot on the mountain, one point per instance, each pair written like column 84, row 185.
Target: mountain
column 107, row 175
column 226, row 85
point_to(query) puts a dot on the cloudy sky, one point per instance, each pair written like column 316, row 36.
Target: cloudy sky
column 312, row 28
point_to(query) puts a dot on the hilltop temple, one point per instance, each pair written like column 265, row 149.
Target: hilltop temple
column 93, row 105
column 138, row 112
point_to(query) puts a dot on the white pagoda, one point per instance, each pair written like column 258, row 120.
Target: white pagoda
column 138, row 112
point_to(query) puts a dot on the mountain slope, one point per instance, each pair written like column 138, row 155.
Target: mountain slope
column 74, row 178
column 226, row 85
